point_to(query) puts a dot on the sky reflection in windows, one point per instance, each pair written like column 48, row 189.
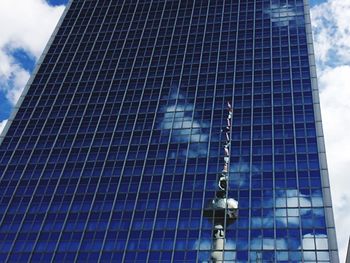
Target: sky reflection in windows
column 114, row 154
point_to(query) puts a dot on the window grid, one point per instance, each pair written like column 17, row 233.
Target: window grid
column 129, row 100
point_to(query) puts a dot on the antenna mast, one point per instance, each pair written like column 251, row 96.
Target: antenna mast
column 222, row 211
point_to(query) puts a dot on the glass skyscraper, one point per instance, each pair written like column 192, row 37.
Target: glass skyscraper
column 115, row 147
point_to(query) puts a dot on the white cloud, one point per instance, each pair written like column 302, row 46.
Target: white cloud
column 268, row 244
column 331, row 27
column 287, row 206
column 310, row 243
column 180, row 118
column 26, row 25
column 281, row 15
column 335, row 106
column 2, row 125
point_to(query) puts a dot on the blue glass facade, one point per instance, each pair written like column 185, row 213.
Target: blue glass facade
column 114, row 149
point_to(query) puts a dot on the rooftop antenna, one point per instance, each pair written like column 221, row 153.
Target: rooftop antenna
column 222, row 210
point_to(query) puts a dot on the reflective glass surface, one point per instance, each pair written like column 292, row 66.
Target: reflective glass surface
column 116, row 147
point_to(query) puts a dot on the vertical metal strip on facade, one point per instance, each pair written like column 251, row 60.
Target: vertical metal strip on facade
column 332, row 241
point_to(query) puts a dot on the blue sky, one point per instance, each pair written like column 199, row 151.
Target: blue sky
column 57, row 2
column 19, row 54
column 316, row 2
column 27, row 62
column 29, row 24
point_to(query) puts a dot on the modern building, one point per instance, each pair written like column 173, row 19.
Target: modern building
column 115, row 147
column 347, row 260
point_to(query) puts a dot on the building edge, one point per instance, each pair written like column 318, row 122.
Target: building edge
column 347, row 260
column 33, row 74
column 326, row 192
